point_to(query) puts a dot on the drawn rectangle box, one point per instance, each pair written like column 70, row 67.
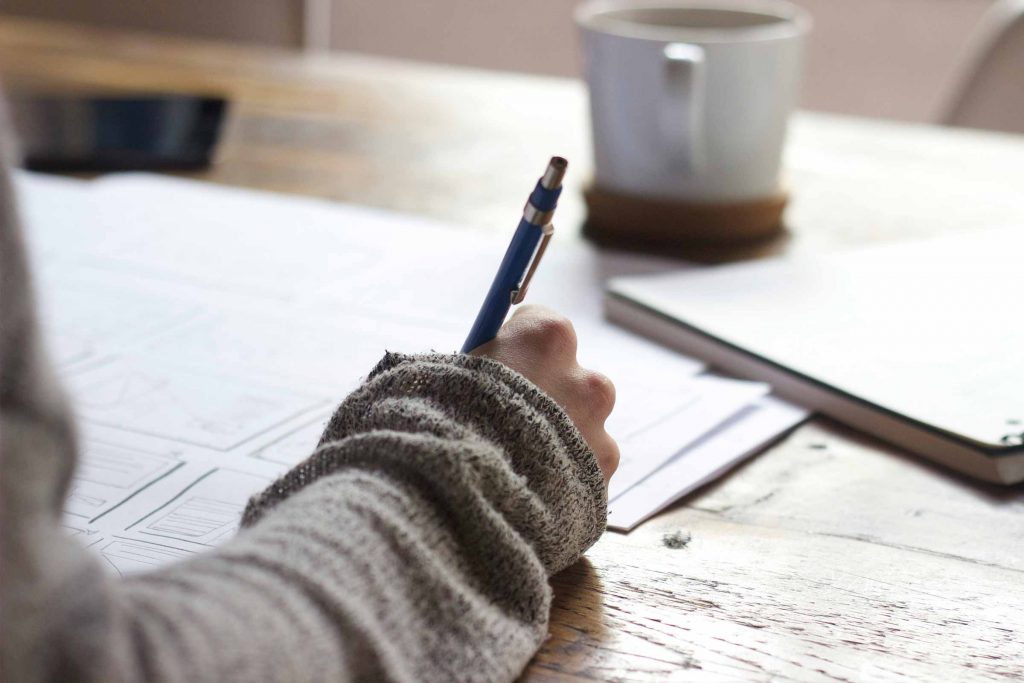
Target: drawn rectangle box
column 146, row 396
column 207, row 511
column 131, row 556
column 107, row 475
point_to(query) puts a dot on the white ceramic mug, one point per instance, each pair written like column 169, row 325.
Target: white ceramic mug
column 690, row 100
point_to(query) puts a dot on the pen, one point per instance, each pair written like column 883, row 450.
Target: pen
column 522, row 256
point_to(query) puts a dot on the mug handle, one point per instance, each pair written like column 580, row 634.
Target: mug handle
column 682, row 104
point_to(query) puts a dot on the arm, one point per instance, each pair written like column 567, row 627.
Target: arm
column 414, row 544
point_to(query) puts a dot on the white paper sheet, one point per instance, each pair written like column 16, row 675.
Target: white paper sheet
column 649, row 432
column 199, row 407
column 206, row 333
column 107, row 475
column 705, row 460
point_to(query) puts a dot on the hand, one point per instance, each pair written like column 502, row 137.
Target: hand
column 541, row 345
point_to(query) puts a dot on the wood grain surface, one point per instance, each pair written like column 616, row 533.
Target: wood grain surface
column 828, row 557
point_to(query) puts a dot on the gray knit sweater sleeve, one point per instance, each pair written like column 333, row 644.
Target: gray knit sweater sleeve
column 413, row 545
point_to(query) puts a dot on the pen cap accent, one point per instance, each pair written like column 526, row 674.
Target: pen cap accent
column 549, row 187
column 552, row 177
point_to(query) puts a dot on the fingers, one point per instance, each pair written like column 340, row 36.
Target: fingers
column 543, row 330
column 600, row 393
column 536, row 342
column 606, row 450
column 589, row 401
column 541, row 345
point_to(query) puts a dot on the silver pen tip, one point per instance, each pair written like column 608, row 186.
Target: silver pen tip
column 554, row 173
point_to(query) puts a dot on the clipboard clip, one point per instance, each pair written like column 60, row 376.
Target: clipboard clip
column 518, row 294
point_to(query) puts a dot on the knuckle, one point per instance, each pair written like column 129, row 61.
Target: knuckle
column 556, row 334
column 606, row 452
column 600, row 392
column 611, row 457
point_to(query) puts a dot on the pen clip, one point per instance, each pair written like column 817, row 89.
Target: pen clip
column 519, row 293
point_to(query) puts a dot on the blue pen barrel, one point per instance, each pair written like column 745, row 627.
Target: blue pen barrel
column 516, row 265
column 543, row 198
column 517, row 258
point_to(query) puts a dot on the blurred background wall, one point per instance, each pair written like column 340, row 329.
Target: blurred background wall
column 887, row 58
column 271, row 22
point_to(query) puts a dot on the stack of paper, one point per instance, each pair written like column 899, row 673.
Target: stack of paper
column 206, row 334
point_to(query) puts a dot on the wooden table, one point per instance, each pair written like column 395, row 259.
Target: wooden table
column 828, row 557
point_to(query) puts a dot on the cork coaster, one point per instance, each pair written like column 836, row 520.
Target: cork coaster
column 649, row 224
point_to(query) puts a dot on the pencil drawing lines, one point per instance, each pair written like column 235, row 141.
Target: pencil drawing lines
column 198, row 517
column 206, row 511
column 109, row 475
column 80, row 503
column 119, row 468
column 145, row 396
column 85, row 534
column 130, row 556
column 295, row 446
column 112, row 392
